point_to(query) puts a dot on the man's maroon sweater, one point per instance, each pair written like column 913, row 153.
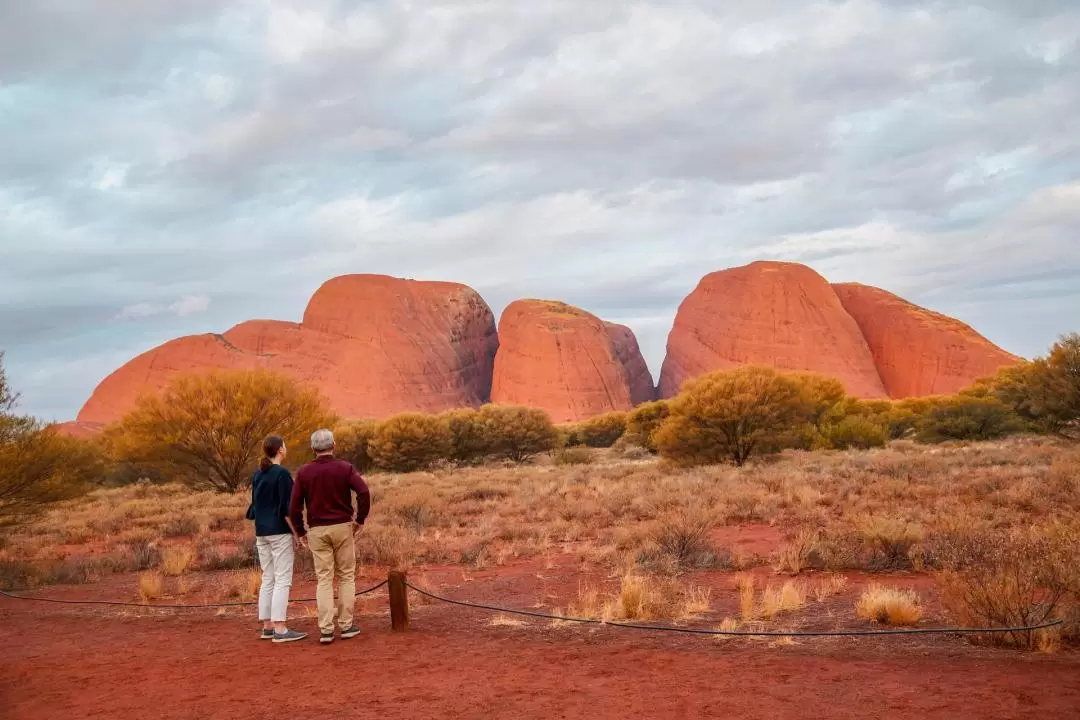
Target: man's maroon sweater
column 325, row 487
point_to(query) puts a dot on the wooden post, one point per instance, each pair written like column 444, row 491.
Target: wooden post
column 399, row 601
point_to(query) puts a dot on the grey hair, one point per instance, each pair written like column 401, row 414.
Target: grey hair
column 322, row 440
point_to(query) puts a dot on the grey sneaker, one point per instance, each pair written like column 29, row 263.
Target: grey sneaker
column 326, row 638
column 266, row 634
column 350, row 633
column 289, row 636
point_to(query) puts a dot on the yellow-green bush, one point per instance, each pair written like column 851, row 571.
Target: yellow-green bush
column 601, row 431
column 353, row 443
column 643, row 421
column 856, row 431
column 470, row 440
column 734, row 415
column 967, row 417
column 517, row 433
column 411, row 441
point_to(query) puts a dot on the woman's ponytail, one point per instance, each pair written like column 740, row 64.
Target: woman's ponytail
column 271, row 447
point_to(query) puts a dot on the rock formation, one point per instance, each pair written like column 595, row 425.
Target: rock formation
column 567, row 362
column 778, row 314
column 919, row 352
column 373, row 345
column 76, row 429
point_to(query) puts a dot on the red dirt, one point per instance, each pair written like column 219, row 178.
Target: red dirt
column 67, row 662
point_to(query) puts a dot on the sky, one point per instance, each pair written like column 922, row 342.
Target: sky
column 169, row 168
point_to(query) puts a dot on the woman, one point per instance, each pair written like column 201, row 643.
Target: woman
column 271, row 489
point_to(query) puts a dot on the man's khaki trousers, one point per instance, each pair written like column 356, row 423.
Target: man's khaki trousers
column 334, row 552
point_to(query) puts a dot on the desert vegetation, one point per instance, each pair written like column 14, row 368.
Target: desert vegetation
column 979, row 493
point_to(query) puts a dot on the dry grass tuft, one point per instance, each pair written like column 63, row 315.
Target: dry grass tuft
column 745, row 585
column 151, row 586
column 506, row 621
column 176, row 559
column 826, row 588
column 889, row 606
column 789, row 597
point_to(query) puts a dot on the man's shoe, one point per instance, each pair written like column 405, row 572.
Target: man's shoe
column 266, row 634
column 326, row 638
column 350, row 633
column 289, row 636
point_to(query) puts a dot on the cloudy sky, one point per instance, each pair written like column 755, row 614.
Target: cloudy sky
column 177, row 167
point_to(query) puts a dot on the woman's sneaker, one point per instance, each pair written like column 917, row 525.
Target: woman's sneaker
column 289, row 636
column 350, row 633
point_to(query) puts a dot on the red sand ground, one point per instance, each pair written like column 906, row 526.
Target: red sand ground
column 79, row 662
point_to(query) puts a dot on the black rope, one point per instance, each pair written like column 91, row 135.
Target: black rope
column 746, row 633
column 165, row 607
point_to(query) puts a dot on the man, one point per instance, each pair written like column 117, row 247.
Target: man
column 325, row 486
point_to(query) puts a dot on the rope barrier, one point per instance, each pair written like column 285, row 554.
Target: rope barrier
column 743, row 633
column 165, row 607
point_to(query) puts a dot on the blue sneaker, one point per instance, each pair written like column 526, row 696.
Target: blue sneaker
column 350, row 633
column 266, row 634
column 289, row 636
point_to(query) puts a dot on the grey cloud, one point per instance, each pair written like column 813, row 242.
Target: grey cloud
column 607, row 154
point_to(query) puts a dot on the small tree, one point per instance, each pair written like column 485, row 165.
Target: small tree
column 733, row 415
column 1045, row 392
column 517, row 433
column 644, row 420
column 410, row 442
column 37, row 466
column 207, row 429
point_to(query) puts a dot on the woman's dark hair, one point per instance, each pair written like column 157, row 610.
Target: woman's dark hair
column 271, row 447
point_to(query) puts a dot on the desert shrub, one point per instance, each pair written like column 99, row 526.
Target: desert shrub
column 643, row 421
column 352, row 442
column 680, row 542
column 856, row 431
column 410, row 442
column 389, row 545
column 415, row 507
column 572, row 456
column 151, row 586
column 966, row 417
column 1044, row 392
column 889, row 541
column 469, row 441
column 517, row 433
column 142, row 555
column 603, row 430
column 801, row 553
column 889, row 606
column 38, row 467
column 734, row 415
column 180, row 526
column 176, row 559
column 1010, row 578
column 239, row 556
column 207, row 429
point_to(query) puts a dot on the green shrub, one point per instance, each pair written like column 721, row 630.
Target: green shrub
column 572, row 456
column 352, row 442
column 856, row 431
column 602, row 431
column 736, row 414
column 643, row 421
column 410, row 442
column 517, row 433
column 966, row 417
column 469, row 441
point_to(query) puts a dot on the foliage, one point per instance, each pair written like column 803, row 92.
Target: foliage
column 410, row 442
column 856, row 431
column 644, row 420
column 733, row 415
column 966, row 417
column 601, row 431
column 352, row 442
column 37, row 466
column 207, row 429
column 469, row 437
column 1010, row 578
column 1045, row 392
column 517, row 433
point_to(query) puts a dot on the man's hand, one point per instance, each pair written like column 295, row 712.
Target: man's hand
column 301, row 541
column 356, row 528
